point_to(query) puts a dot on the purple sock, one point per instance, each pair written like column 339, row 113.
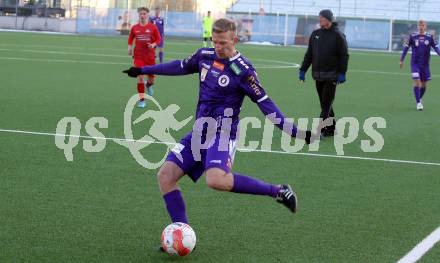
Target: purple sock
column 417, row 94
column 422, row 92
column 175, row 206
column 248, row 185
column 160, row 56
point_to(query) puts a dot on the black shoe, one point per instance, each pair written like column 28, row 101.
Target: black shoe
column 288, row 197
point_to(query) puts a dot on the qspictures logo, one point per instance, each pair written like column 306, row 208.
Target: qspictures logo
column 207, row 129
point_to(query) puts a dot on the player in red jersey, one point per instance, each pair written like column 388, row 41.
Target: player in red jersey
column 146, row 37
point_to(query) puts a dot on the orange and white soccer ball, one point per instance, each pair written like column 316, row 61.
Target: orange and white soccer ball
column 178, row 239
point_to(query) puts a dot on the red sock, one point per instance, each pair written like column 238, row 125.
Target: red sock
column 141, row 90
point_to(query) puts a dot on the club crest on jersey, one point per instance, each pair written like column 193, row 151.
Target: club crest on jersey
column 426, row 42
column 218, row 65
column 223, row 81
column 416, row 42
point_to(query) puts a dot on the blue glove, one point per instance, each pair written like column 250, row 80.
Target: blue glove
column 341, row 78
column 302, row 75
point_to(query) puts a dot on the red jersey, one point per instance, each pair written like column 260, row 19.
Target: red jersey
column 144, row 35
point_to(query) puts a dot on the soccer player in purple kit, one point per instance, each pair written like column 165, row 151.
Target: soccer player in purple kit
column 421, row 43
column 225, row 78
column 160, row 24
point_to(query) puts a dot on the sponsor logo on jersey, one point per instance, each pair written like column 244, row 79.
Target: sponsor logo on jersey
column 208, row 52
column 223, row 81
column 186, row 60
column 253, row 84
column 218, row 65
column 236, row 69
column 215, row 73
column 203, row 74
column 242, row 63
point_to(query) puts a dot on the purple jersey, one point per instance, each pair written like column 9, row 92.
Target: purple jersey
column 159, row 22
column 421, row 48
column 223, row 84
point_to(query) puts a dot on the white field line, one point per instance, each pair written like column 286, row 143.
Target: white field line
column 288, row 65
column 422, row 248
column 292, row 65
column 239, row 149
column 108, row 62
column 283, row 64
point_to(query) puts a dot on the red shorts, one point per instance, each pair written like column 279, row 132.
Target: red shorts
column 142, row 62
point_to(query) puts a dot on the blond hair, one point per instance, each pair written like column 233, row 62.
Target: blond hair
column 223, row 25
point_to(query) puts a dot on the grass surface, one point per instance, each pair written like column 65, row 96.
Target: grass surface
column 104, row 207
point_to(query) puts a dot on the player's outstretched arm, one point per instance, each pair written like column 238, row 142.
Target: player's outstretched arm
column 257, row 94
column 271, row 111
column 173, row 68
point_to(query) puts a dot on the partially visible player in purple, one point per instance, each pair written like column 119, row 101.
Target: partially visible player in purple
column 160, row 24
column 225, row 77
column 420, row 43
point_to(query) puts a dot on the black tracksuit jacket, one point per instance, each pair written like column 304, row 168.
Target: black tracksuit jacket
column 327, row 53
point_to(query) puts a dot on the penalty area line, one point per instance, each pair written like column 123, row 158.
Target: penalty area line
column 422, row 248
column 239, row 149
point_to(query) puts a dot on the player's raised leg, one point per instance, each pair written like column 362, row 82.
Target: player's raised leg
column 220, row 180
column 168, row 176
column 218, row 165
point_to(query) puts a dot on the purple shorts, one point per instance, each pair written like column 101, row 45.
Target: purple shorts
column 420, row 72
column 213, row 157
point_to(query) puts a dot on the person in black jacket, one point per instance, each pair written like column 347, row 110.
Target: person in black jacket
column 328, row 54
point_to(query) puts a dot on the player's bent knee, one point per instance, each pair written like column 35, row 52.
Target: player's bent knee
column 217, row 179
